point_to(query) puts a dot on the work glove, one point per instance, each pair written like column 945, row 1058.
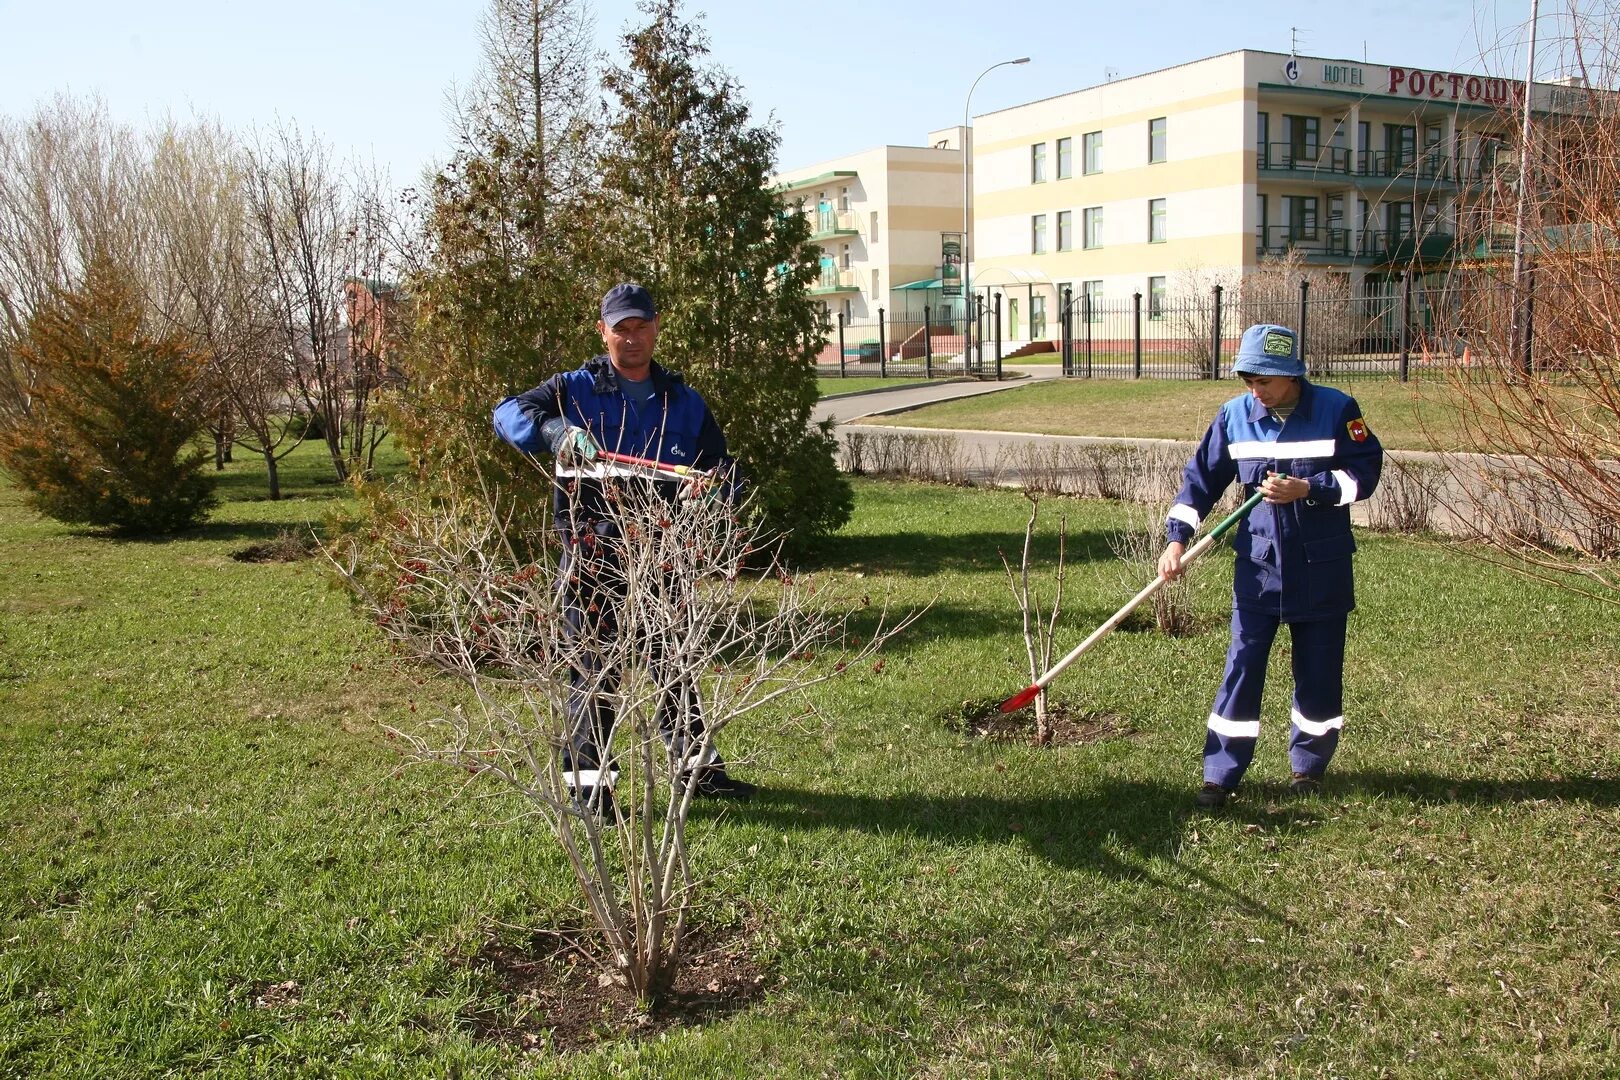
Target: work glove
column 705, row 488
column 574, row 447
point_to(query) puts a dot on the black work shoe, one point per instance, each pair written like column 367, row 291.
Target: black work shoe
column 1304, row 784
column 595, row 801
column 1212, row 797
column 718, row 784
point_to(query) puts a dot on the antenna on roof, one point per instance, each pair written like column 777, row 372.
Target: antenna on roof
column 1293, row 40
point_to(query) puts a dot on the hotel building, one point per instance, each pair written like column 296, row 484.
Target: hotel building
column 1170, row 180
column 878, row 216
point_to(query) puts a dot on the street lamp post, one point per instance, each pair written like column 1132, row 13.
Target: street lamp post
column 967, row 209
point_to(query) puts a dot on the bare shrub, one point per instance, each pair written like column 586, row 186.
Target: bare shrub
column 1137, row 546
column 1406, row 498
column 704, row 624
column 1040, row 627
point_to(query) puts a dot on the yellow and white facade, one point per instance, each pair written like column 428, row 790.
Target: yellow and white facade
column 877, row 216
column 1194, row 173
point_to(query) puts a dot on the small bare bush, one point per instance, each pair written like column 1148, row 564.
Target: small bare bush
column 702, row 624
column 1406, row 498
column 1137, row 546
column 1040, row 627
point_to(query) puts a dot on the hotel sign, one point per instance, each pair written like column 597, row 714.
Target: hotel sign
column 1449, row 86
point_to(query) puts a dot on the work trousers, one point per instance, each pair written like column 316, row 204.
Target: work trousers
column 1318, row 713
column 594, row 611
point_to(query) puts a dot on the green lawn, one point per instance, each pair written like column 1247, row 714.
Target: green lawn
column 827, row 386
column 1406, row 416
column 213, row 866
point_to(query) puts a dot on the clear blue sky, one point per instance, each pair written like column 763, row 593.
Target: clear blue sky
column 371, row 77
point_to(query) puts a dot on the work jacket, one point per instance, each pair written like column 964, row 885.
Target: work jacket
column 1293, row 560
column 674, row 426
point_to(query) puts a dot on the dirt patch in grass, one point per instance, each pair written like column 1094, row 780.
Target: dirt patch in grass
column 1068, row 724
column 289, row 545
column 553, row 996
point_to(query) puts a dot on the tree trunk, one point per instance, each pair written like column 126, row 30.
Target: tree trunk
column 275, row 477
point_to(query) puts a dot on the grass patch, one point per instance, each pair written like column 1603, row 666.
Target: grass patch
column 213, row 865
column 1402, row 414
column 827, row 386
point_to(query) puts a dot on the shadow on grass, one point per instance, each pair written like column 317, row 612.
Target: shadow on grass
column 922, row 553
column 1113, row 832
column 1436, row 788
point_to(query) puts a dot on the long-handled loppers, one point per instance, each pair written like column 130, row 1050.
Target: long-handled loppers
column 1027, row 695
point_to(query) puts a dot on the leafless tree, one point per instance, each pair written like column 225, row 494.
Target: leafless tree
column 69, row 190
column 318, row 232
column 1039, row 623
column 696, row 618
column 1543, row 383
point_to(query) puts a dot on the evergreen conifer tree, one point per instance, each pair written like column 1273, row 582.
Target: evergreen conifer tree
column 110, row 435
column 685, row 176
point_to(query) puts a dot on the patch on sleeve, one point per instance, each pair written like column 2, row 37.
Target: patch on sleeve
column 1358, row 429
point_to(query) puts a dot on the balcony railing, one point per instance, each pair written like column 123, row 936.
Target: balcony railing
column 1368, row 245
column 825, row 223
column 832, row 279
column 1335, row 161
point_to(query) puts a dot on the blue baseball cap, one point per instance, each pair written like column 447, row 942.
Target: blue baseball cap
column 1268, row 349
column 628, row 301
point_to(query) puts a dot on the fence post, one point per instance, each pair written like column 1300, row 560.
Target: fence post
column 883, row 349
column 995, row 318
column 1066, row 321
column 841, row 371
column 1136, row 332
column 1304, row 298
column 1527, row 359
column 1406, row 325
column 977, row 337
column 1215, row 350
column 1088, row 315
column 928, row 344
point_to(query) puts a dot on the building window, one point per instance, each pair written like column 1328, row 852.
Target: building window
column 1300, row 213
column 1400, row 147
column 1303, row 135
column 1091, row 294
column 1065, row 237
column 1037, row 163
column 877, row 282
column 843, row 255
column 1091, row 146
column 1091, row 222
column 843, row 198
column 872, row 233
column 1156, row 140
column 1037, row 234
column 1037, row 316
column 1012, row 318
column 1261, row 228
column 1399, row 219
column 1263, row 138
column 1155, row 298
column 1156, row 225
column 1065, row 162
column 848, row 310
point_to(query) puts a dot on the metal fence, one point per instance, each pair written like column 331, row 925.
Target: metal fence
column 1404, row 328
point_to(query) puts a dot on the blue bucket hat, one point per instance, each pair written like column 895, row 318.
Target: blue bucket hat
column 1268, row 349
column 628, row 301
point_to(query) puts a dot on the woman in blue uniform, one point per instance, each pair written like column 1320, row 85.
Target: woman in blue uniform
column 1307, row 448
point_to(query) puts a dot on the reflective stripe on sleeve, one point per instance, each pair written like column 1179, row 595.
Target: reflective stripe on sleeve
column 1234, row 729
column 1317, row 727
column 1252, row 449
column 1348, row 488
column 1183, row 512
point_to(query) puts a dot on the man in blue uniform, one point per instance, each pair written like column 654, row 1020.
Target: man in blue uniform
column 626, row 402
column 1307, row 448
